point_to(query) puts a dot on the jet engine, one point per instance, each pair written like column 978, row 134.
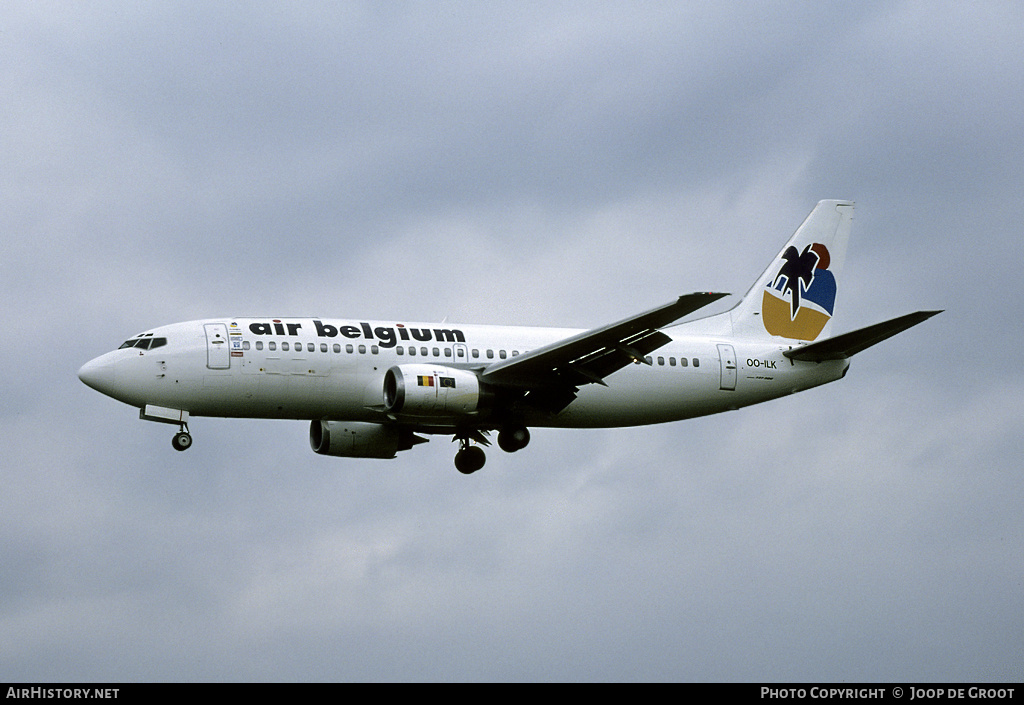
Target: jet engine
column 433, row 390
column 359, row 439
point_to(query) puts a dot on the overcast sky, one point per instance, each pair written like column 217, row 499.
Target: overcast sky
column 542, row 163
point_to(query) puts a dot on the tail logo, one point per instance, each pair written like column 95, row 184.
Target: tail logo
column 800, row 300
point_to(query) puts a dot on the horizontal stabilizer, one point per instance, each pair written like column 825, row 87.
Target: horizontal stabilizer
column 849, row 344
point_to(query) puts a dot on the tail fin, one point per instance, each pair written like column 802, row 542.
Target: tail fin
column 795, row 297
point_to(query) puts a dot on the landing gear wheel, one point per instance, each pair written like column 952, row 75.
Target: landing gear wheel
column 181, row 441
column 470, row 459
column 513, row 438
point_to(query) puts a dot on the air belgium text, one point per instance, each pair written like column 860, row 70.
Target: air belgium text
column 386, row 336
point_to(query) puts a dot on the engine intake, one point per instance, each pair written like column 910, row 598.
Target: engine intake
column 433, row 390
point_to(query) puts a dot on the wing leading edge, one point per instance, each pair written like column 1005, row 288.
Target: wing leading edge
column 552, row 373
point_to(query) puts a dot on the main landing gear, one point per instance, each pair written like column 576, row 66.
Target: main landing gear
column 182, row 439
column 471, row 458
column 513, row 438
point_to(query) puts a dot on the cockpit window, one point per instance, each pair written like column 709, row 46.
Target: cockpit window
column 144, row 343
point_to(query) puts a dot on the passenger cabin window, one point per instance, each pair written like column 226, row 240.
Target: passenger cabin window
column 284, row 346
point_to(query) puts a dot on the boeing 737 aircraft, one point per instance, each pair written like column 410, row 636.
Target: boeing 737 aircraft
column 370, row 388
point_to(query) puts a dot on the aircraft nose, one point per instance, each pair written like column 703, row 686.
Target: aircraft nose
column 98, row 374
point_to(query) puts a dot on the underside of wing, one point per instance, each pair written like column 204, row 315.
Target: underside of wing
column 551, row 375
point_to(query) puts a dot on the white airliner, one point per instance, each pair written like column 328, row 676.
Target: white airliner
column 369, row 387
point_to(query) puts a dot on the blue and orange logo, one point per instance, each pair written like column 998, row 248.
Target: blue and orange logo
column 800, row 300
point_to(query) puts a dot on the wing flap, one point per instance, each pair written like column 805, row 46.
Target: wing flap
column 849, row 344
column 607, row 360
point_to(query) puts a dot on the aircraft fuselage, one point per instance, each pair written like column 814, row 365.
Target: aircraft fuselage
column 334, row 369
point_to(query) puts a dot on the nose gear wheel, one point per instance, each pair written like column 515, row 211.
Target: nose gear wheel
column 182, row 439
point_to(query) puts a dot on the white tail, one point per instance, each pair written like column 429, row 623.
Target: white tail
column 795, row 297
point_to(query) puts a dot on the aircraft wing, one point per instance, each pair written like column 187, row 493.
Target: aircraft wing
column 554, row 371
column 849, row 344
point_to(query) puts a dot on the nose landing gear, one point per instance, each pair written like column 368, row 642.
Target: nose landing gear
column 182, row 439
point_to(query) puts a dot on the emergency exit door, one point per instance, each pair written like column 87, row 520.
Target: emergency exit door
column 727, row 358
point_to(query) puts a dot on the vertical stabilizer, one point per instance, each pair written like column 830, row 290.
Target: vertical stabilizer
column 795, row 297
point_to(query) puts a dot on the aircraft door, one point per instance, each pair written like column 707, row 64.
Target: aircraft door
column 727, row 357
column 218, row 356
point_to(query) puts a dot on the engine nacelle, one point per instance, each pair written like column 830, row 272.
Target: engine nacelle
column 355, row 439
column 433, row 390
